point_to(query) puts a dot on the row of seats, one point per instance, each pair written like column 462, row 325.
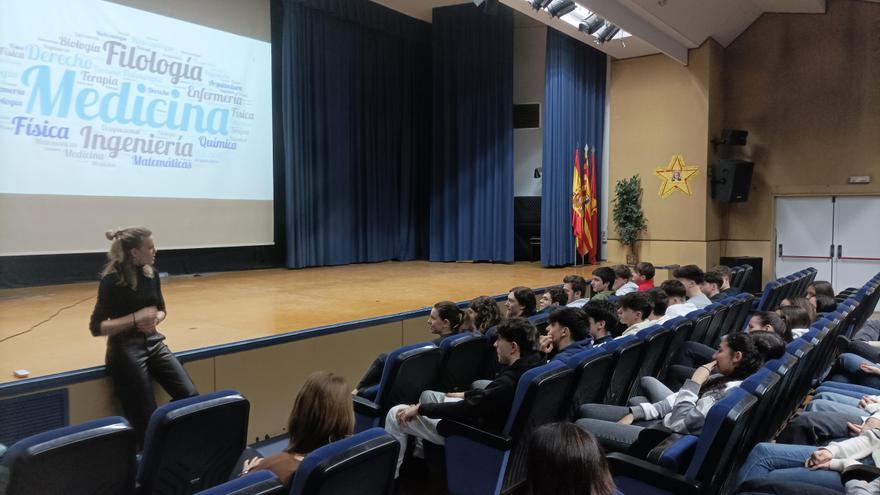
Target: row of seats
column 192, row 446
column 783, row 288
column 752, row 413
column 740, row 275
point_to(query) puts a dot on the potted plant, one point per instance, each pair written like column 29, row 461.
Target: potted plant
column 629, row 219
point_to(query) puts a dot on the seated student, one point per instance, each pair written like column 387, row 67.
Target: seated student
column 521, row 301
column 552, row 299
column 566, row 460
column 601, row 316
column 575, row 288
column 485, row 408
column 481, row 314
column 726, row 289
column 820, row 287
column 623, row 283
column 823, row 303
column 797, row 320
column 802, row 302
column 633, row 310
column 676, row 299
column 444, row 321
column 567, row 334
column 852, row 368
column 693, row 354
column 866, row 341
column 692, row 278
column 321, row 414
column 711, row 286
column 808, row 464
column 618, row 427
column 659, row 303
column 602, row 280
column 643, row 276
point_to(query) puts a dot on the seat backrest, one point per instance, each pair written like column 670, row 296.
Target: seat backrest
column 363, row 463
column 730, row 319
column 714, row 330
column 541, row 397
column 786, row 367
column 68, row 460
column 257, row 483
column 742, row 317
column 768, row 296
column 702, row 320
column 193, row 444
column 462, row 362
column 592, row 369
column 656, row 345
column 765, row 385
column 681, row 328
column 627, row 352
column 408, row 372
column 723, row 429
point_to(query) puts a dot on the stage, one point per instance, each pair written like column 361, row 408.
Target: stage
column 221, row 308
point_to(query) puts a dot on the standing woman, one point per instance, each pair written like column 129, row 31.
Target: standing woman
column 129, row 308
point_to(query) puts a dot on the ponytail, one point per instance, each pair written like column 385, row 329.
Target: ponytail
column 119, row 261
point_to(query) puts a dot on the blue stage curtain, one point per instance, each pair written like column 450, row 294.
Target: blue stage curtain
column 356, row 110
column 471, row 187
column 574, row 115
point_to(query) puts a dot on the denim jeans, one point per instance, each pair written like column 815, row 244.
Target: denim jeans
column 849, row 364
column 780, row 462
column 832, row 401
column 850, row 389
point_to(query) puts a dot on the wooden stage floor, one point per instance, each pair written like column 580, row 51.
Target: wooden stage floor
column 221, row 308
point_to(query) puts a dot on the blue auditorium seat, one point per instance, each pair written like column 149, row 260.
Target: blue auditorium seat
column 462, row 361
column 627, row 352
column 95, row 457
column 192, row 444
column 710, row 466
column 682, row 328
column 408, row 371
column 656, row 345
column 592, row 369
column 480, row 462
column 256, row 483
column 363, row 464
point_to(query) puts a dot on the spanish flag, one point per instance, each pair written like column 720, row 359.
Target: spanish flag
column 591, row 206
column 577, row 207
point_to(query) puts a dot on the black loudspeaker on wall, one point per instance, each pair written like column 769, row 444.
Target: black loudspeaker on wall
column 731, row 180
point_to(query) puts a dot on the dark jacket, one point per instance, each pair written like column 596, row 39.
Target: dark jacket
column 487, row 408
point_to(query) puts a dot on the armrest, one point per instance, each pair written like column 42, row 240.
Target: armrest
column 644, row 471
column 365, row 407
column 448, row 428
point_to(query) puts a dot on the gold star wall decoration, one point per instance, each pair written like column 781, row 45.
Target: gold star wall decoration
column 675, row 177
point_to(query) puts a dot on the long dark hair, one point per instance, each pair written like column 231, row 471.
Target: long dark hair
column 526, row 298
column 566, row 460
column 447, row 310
column 752, row 359
column 486, row 313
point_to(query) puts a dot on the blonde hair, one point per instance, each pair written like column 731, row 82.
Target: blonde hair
column 119, row 256
column 321, row 413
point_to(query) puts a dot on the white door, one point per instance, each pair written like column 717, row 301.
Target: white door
column 857, row 240
column 804, row 235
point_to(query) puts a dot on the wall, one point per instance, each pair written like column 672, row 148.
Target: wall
column 529, row 56
column 806, row 88
column 660, row 108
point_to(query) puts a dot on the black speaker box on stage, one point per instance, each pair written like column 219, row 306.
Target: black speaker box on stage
column 731, row 180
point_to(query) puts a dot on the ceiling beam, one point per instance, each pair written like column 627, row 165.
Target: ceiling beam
column 634, row 24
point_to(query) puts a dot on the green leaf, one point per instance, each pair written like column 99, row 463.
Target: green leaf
column 629, row 219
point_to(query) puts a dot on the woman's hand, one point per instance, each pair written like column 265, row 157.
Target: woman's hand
column 820, row 459
column 702, row 373
column 250, row 465
column 145, row 319
column 626, row 420
column 407, row 413
column 867, row 399
column 455, row 395
column 869, row 369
